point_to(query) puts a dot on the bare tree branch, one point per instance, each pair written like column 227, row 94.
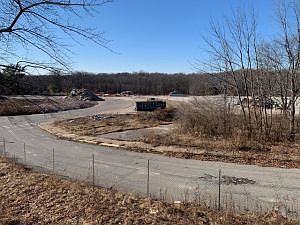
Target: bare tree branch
column 37, row 24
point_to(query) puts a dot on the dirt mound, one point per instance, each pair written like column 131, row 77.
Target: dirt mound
column 84, row 94
column 27, row 106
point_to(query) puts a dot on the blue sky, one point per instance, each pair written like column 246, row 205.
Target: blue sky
column 159, row 35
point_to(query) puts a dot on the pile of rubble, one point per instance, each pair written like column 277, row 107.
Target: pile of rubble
column 264, row 102
column 84, row 94
column 102, row 117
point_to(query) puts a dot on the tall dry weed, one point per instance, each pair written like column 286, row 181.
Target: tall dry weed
column 210, row 120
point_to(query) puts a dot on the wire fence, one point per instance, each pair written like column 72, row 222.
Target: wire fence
column 156, row 179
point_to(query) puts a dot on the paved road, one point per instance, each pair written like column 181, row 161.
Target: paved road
column 174, row 179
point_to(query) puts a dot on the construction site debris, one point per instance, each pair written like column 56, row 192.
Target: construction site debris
column 84, row 94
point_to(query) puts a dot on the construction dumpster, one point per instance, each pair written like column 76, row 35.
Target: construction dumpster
column 150, row 105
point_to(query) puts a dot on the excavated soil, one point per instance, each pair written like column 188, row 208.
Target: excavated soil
column 27, row 105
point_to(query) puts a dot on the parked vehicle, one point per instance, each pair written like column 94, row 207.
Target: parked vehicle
column 176, row 94
column 126, row 93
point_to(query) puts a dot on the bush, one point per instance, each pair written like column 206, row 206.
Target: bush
column 52, row 89
column 202, row 119
column 165, row 115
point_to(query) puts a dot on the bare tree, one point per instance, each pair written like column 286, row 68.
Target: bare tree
column 289, row 18
column 232, row 47
column 283, row 53
column 259, row 70
column 27, row 26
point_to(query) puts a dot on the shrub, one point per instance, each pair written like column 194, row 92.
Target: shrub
column 222, row 121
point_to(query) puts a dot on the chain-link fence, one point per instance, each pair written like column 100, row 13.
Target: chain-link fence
column 157, row 177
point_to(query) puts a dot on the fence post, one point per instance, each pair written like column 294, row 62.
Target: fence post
column 4, row 147
column 286, row 159
column 93, row 170
column 53, row 159
column 24, row 153
column 219, row 191
column 148, row 177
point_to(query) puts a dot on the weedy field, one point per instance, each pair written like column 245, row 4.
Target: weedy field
column 28, row 197
column 103, row 124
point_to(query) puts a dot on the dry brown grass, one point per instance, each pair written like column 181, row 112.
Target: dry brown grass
column 26, row 106
column 228, row 127
column 210, row 149
column 183, row 143
column 163, row 115
column 210, row 132
column 28, row 197
column 208, row 120
column 103, row 124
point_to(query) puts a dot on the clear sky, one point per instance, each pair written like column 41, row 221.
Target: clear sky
column 159, row 35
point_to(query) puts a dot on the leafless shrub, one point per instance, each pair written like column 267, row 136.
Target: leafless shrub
column 208, row 120
column 258, row 69
column 165, row 115
column 156, row 139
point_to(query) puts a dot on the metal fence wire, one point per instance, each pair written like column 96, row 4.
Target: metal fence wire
column 148, row 176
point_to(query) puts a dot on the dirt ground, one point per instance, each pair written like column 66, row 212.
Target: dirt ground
column 171, row 143
column 28, row 197
column 103, row 124
column 27, row 105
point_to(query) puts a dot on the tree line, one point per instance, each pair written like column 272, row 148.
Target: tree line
column 14, row 81
column 140, row 83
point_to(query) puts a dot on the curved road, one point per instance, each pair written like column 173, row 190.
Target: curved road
column 170, row 178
